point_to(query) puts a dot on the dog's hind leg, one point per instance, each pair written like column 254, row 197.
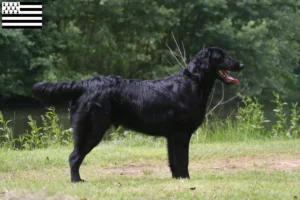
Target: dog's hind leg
column 178, row 152
column 88, row 132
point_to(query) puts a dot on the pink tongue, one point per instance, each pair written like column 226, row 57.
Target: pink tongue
column 232, row 80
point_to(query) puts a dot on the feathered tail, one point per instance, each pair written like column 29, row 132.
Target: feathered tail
column 51, row 93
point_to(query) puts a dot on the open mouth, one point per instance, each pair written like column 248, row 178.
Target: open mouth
column 227, row 78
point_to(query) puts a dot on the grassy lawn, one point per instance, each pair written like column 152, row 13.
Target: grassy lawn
column 138, row 170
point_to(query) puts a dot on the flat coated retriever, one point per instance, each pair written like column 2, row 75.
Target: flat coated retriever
column 172, row 107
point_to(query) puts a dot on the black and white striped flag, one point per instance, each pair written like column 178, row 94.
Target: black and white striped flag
column 22, row 15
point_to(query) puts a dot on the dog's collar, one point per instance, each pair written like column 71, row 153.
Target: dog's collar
column 187, row 73
column 195, row 78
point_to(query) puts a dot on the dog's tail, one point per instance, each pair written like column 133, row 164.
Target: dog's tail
column 52, row 93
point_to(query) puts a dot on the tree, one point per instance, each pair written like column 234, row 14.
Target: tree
column 80, row 39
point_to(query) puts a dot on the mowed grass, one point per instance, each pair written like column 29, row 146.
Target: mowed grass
column 138, row 169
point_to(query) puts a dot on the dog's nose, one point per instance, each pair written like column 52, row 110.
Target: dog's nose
column 241, row 66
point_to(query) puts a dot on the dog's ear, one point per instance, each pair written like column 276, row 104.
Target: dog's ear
column 203, row 60
column 199, row 64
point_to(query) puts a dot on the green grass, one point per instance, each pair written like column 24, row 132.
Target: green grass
column 138, row 169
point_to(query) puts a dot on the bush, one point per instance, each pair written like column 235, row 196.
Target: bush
column 50, row 133
column 249, row 122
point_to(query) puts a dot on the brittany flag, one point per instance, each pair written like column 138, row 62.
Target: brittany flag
column 22, row 15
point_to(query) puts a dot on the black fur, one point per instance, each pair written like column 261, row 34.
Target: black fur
column 173, row 107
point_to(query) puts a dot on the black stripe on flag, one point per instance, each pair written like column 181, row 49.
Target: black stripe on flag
column 21, row 15
column 30, row 3
column 19, row 22
column 22, row 21
column 21, row 27
column 30, row 9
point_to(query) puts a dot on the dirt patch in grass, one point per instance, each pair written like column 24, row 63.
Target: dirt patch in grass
column 142, row 168
column 24, row 195
column 270, row 162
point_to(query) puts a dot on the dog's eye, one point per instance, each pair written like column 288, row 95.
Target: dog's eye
column 217, row 56
column 220, row 57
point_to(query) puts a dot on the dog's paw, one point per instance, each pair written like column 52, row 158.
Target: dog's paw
column 78, row 181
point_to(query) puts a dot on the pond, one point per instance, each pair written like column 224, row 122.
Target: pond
column 19, row 115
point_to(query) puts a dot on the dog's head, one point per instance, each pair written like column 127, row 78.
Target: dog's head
column 215, row 60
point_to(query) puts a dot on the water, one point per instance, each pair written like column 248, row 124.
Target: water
column 19, row 115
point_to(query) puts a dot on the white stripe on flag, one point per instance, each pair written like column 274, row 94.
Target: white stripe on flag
column 21, row 18
column 30, row 12
column 22, row 24
column 31, row 6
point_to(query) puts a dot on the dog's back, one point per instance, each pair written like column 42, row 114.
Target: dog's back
column 156, row 107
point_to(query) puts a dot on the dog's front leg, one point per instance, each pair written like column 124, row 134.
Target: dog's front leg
column 178, row 153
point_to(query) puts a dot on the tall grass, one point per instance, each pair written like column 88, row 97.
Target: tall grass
column 6, row 133
column 248, row 123
column 47, row 134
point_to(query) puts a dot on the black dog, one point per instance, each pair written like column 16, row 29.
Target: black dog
column 173, row 107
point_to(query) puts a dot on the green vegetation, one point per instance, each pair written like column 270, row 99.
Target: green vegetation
column 248, row 123
column 83, row 38
column 49, row 133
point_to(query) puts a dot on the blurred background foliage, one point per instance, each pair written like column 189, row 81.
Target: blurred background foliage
column 83, row 38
